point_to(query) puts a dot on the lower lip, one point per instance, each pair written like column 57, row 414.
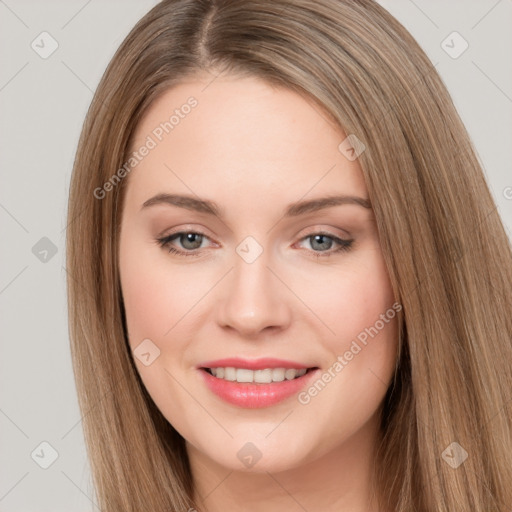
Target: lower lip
column 254, row 396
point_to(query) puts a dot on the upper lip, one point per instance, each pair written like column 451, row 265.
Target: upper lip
column 253, row 364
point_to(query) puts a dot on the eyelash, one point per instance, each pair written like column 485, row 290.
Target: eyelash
column 165, row 242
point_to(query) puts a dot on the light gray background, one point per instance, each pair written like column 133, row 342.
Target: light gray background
column 43, row 103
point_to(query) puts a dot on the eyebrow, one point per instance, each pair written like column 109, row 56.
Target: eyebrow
column 292, row 210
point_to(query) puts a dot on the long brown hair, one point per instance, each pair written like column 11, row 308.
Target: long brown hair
column 448, row 257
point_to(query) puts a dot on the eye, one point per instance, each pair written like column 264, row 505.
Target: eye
column 190, row 241
column 325, row 241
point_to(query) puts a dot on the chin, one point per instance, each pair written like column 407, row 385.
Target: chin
column 259, row 457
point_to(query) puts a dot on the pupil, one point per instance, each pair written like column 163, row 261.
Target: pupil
column 189, row 238
column 321, row 237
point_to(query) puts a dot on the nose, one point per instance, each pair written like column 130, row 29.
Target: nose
column 253, row 299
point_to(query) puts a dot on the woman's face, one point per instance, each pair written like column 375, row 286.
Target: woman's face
column 262, row 270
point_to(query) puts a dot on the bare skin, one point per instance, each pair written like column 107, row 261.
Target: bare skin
column 254, row 150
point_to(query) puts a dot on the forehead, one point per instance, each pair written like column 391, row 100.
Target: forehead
column 229, row 136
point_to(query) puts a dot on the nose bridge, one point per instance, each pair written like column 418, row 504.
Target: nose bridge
column 252, row 298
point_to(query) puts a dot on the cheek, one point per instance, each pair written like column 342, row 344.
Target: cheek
column 356, row 304
column 155, row 294
column 367, row 335
column 351, row 298
column 155, row 298
column 356, row 374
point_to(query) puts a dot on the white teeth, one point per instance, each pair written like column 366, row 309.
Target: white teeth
column 265, row 376
column 230, row 373
column 278, row 374
column 243, row 375
column 290, row 374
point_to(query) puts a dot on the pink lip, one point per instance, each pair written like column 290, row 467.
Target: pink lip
column 254, row 396
column 252, row 364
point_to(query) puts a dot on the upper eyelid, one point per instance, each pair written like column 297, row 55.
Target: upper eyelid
column 314, row 229
column 183, row 232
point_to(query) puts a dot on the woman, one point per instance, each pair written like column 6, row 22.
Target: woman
column 290, row 284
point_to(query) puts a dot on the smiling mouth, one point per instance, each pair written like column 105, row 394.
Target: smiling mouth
column 263, row 376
